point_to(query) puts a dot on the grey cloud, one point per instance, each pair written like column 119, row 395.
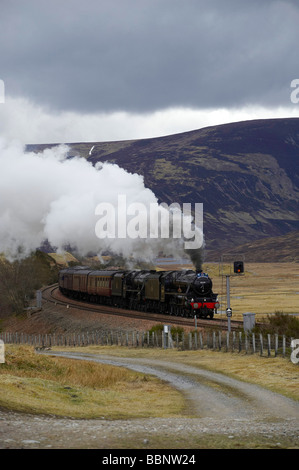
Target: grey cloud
column 141, row 55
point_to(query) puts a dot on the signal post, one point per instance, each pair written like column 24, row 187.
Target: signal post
column 238, row 269
column 228, row 309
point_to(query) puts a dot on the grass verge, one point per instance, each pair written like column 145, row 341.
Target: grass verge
column 63, row 387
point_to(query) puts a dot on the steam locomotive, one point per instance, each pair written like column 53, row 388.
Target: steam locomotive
column 186, row 293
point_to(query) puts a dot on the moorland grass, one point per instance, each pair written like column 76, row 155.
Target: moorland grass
column 50, row 385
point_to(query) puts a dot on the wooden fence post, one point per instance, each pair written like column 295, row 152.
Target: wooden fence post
column 214, row 340
column 195, row 341
column 261, row 344
column 276, row 345
column 190, row 341
column 200, row 340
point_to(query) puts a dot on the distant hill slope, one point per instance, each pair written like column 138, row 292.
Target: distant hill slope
column 245, row 173
column 284, row 248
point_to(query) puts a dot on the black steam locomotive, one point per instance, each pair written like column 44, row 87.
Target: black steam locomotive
column 186, row 293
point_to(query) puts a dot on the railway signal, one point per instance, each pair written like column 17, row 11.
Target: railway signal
column 238, row 267
column 234, row 268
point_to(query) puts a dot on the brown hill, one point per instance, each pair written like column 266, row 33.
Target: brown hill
column 284, row 248
column 245, row 174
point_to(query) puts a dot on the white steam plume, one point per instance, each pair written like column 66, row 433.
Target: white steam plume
column 47, row 196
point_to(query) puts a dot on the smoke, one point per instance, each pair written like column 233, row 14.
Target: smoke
column 197, row 257
column 48, row 196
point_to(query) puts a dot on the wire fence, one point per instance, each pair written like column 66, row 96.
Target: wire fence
column 250, row 343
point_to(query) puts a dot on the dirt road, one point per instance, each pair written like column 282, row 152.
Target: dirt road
column 216, row 405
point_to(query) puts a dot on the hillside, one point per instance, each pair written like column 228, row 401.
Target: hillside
column 245, row 174
column 284, row 248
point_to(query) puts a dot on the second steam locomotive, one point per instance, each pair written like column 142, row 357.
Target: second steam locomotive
column 185, row 293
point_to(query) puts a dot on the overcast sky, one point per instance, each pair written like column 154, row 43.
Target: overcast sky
column 93, row 70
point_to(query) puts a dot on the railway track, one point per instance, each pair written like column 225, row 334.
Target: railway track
column 53, row 295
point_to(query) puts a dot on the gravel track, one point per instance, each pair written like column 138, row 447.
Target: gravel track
column 217, row 404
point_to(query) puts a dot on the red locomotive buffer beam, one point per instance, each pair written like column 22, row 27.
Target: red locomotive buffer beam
column 209, row 305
